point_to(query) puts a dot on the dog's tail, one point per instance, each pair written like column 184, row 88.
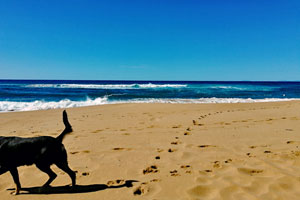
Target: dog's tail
column 68, row 127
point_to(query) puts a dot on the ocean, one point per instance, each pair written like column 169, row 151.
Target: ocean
column 25, row 95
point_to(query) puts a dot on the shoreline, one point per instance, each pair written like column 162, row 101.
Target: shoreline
column 154, row 101
column 174, row 151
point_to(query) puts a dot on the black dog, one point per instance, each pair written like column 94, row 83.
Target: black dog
column 42, row 151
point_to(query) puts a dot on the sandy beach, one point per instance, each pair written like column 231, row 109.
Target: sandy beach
column 166, row 151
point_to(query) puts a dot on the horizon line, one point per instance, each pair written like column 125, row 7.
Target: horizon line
column 149, row 80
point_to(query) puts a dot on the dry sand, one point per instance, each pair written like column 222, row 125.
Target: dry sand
column 195, row 151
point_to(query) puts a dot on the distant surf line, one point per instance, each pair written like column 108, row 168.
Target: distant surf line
column 6, row 106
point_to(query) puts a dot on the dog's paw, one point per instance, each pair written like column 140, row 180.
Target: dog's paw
column 16, row 192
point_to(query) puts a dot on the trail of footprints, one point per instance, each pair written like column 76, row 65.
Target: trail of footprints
column 197, row 123
column 183, row 169
column 187, row 169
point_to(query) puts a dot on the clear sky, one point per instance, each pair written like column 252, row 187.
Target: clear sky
column 150, row 39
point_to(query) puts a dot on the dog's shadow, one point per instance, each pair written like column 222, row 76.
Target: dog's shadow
column 75, row 189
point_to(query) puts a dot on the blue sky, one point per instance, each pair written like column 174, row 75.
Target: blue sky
column 150, row 39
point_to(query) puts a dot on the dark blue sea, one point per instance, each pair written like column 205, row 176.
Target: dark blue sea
column 23, row 95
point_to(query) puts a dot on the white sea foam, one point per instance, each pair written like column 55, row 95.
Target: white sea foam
column 207, row 100
column 227, row 87
column 107, row 86
column 6, row 106
column 42, row 105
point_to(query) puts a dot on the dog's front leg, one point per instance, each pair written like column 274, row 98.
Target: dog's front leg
column 15, row 175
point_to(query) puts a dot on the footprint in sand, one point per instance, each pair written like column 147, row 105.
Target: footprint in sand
column 171, row 150
column 253, row 146
column 176, row 126
column 155, row 180
column 85, row 173
column 187, row 133
column 290, row 142
column 267, row 151
column 217, row 164
column 197, row 124
column 118, row 149
column 249, row 154
column 206, row 145
column 249, row 171
column 121, row 149
column 228, row 160
column 175, row 143
column 143, row 188
column 174, row 173
column 116, row 182
column 187, row 168
column 140, row 190
column 151, row 169
column 205, row 172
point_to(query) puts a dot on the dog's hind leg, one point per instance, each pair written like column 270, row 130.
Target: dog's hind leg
column 65, row 167
column 47, row 170
column 15, row 175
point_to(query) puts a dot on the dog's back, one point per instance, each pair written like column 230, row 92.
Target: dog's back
column 17, row 151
